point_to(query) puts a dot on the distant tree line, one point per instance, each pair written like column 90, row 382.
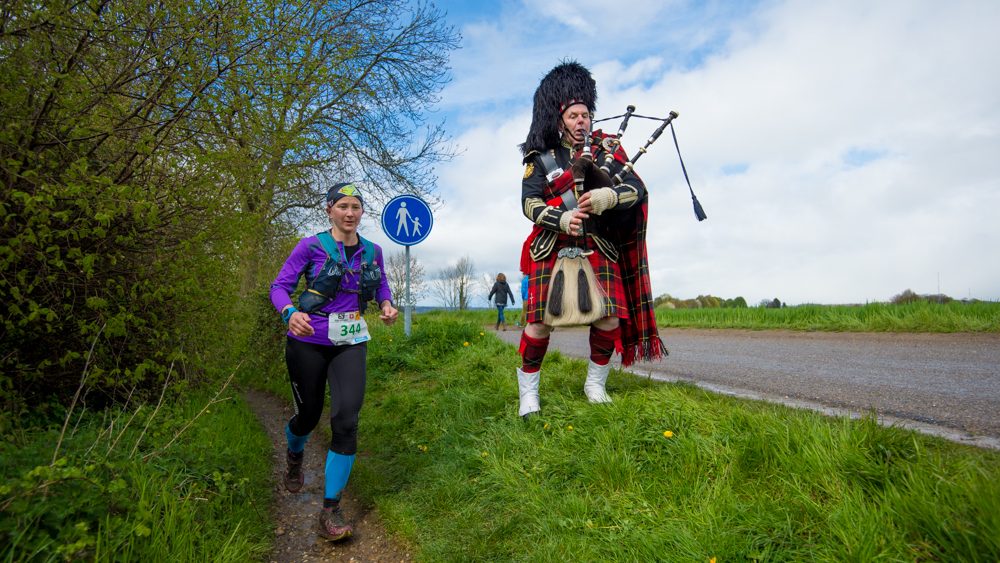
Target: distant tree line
column 700, row 302
column 909, row 296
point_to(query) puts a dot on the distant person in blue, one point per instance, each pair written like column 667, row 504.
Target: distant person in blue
column 501, row 290
column 327, row 342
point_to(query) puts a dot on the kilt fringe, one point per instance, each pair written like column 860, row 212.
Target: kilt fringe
column 646, row 350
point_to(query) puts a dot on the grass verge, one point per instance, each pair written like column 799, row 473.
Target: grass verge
column 666, row 472
column 181, row 482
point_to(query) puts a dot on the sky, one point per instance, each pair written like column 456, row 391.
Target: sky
column 844, row 151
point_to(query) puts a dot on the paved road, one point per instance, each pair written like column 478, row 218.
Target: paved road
column 943, row 384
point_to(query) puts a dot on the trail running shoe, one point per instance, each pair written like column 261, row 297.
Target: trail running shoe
column 332, row 525
column 293, row 472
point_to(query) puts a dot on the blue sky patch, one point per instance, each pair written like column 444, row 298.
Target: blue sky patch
column 856, row 157
column 735, row 168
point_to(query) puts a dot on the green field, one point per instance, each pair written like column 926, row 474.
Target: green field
column 668, row 472
column 921, row 316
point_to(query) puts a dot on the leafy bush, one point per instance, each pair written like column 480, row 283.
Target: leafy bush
column 115, row 237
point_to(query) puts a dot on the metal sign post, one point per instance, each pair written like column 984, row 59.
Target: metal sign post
column 407, row 220
column 407, row 309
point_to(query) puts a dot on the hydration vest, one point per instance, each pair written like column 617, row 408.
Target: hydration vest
column 326, row 285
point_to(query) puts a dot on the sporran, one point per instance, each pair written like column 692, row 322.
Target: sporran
column 575, row 297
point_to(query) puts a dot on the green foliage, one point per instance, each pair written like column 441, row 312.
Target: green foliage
column 264, row 365
column 144, row 484
column 916, row 316
column 665, row 469
column 115, row 240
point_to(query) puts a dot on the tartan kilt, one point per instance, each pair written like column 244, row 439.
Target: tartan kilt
column 540, row 274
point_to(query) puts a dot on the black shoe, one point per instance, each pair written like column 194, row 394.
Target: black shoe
column 332, row 525
column 293, row 472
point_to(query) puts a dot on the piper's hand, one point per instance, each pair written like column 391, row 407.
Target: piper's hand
column 389, row 313
column 298, row 323
column 571, row 222
column 598, row 201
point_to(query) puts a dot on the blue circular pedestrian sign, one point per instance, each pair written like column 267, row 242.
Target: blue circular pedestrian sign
column 407, row 220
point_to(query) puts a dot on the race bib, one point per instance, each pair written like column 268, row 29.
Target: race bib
column 348, row 328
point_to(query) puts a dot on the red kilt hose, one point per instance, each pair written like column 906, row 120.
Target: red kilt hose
column 540, row 274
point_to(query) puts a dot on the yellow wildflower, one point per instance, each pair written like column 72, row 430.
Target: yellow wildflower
column 668, row 434
column 570, row 427
column 465, row 344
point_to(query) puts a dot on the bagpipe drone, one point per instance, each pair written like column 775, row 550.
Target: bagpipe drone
column 611, row 144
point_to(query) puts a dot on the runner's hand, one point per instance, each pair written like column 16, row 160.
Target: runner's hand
column 389, row 313
column 298, row 323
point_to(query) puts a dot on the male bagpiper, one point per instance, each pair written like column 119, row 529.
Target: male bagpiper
column 586, row 255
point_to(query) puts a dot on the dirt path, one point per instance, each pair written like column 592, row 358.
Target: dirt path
column 295, row 514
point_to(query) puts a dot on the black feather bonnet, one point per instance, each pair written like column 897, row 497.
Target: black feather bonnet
column 566, row 84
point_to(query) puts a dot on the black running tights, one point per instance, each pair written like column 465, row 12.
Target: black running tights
column 311, row 367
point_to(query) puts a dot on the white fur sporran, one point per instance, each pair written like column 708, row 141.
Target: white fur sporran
column 575, row 297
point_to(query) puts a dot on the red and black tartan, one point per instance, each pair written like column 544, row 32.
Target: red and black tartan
column 630, row 295
column 540, row 273
column 640, row 336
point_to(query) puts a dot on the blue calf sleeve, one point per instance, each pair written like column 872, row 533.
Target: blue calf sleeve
column 295, row 443
column 338, row 469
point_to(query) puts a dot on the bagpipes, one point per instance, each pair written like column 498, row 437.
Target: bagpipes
column 611, row 145
column 575, row 296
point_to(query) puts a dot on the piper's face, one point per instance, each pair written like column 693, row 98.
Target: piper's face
column 575, row 122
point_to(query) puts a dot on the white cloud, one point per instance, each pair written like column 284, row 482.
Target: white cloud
column 768, row 120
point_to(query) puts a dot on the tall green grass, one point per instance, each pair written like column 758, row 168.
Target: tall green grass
column 129, row 485
column 668, row 472
column 921, row 316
